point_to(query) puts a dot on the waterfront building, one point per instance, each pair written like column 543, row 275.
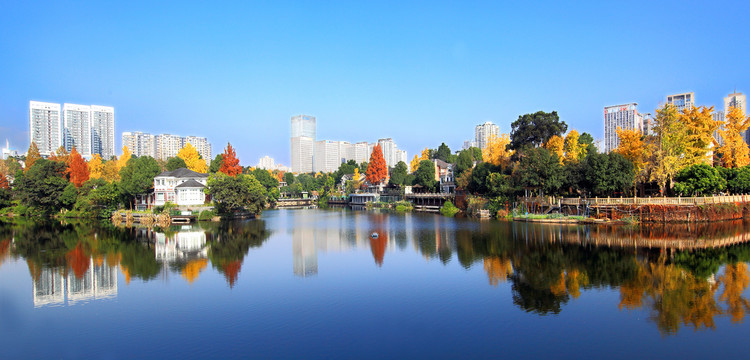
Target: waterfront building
column 302, row 154
column 201, row 144
column 168, row 146
column 140, row 144
column 77, row 128
column 623, row 116
column 483, row 132
column 103, row 131
column 682, row 101
column 45, row 128
column 181, row 186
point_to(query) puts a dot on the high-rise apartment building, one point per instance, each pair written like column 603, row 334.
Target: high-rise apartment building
column 483, row 132
column 140, row 144
column 737, row 100
column 266, row 163
column 623, row 116
column 45, row 127
column 103, row 131
column 360, row 152
column 719, row 117
column 326, row 156
column 302, row 154
column 682, row 101
column 201, row 144
column 303, row 125
column 168, row 146
column 77, row 128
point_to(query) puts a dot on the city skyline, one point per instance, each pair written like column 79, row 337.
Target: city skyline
column 406, row 72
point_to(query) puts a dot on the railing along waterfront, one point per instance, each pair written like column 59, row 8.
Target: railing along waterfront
column 596, row 201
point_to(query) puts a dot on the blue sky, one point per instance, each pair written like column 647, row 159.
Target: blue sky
column 419, row 72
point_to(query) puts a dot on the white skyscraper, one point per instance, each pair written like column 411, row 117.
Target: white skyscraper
column 103, row 131
column 302, row 154
column 77, row 128
column 140, row 144
column 624, row 116
column 361, row 153
column 266, row 163
column 168, row 146
column 327, row 156
column 483, row 132
column 201, row 144
column 719, row 117
column 303, row 125
column 45, row 127
column 737, row 100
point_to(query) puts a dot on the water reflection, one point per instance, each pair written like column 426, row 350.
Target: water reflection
column 681, row 275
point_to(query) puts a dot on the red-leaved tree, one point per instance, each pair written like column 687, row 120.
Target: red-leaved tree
column 230, row 164
column 78, row 168
column 377, row 171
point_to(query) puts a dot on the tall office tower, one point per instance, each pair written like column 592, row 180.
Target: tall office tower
column 140, row 144
column 624, row 116
column 719, row 117
column 77, row 128
column 682, row 101
column 737, row 100
column 302, row 154
column 167, row 146
column 360, row 152
column 201, row 144
column 483, row 132
column 326, row 156
column 103, row 131
column 346, row 151
column 303, row 125
column 45, row 128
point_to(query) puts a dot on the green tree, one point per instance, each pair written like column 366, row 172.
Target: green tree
column 478, row 180
column 42, row 186
column 399, row 173
column 346, row 168
column 738, row 180
column 533, row 130
column 443, row 152
column 477, row 153
column 464, row 161
column 699, row 179
column 540, row 169
column 607, row 174
column 137, row 177
column 69, row 196
column 97, row 198
column 232, row 193
column 425, row 175
column 289, row 179
column 175, row 163
column 215, row 163
column 587, row 142
column 269, row 182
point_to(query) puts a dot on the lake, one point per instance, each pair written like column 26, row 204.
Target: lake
column 313, row 283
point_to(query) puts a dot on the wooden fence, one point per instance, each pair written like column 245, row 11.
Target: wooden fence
column 688, row 201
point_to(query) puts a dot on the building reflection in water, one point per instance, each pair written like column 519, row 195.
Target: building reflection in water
column 53, row 286
column 187, row 247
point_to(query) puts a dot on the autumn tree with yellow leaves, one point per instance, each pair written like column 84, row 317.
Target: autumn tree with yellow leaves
column 734, row 152
column 634, row 148
column 123, row 161
column 574, row 150
column 556, row 145
column 417, row 159
column 699, row 127
column 669, row 141
column 96, row 167
column 192, row 159
column 496, row 152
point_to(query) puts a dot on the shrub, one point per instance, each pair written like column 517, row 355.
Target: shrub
column 448, row 209
column 206, row 215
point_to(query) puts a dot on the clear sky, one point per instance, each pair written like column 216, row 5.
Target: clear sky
column 419, row 72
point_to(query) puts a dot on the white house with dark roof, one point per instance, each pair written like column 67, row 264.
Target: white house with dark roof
column 181, row 187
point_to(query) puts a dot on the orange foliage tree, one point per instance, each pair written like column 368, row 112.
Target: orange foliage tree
column 4, row 181
column 78, row 168
column 377, row 170
column 31, row 156
column 230, row 165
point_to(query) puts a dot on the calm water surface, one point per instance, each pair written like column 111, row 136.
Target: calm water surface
column 314, row 284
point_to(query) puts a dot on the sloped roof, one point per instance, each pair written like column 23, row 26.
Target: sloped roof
column 183, row 173
column 190, row 184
